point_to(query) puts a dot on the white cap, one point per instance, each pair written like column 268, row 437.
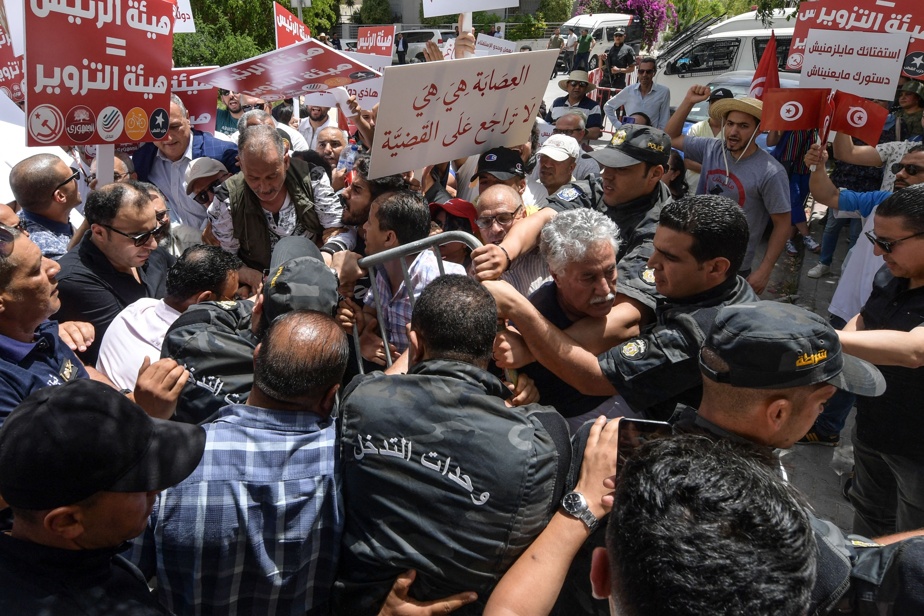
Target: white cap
column 560, row 148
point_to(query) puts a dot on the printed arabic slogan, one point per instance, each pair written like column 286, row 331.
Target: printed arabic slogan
column 12, row 79
column 97, row 71
column 431, row 112
column 886, row 16
column 863, row 63
column 199, row 97
column 289, row 28
column 292, row 71
column 378, row 40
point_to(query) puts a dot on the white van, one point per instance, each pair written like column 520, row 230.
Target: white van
column 601, row 26
column 719, row 49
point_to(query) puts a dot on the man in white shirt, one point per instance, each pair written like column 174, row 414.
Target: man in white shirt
column 310, row 127
column 646, row 96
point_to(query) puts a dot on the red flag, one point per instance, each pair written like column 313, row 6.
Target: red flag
column 858, row 117
column 793, row 108
column 767, row 75
column 827, row 113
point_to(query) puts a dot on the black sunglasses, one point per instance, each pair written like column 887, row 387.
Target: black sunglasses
column 141, row 239
column 911, row 170
column 72, row 177
column 116, row 177
column 223, row 92
column 566, row 131
column 887, row 246
column 252, row 107
column 8, row 235
column 204, row 197
column 646, row 71
column 502, row 219
column 573, row 83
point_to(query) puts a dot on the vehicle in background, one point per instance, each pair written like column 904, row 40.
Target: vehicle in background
column 601, row 26
column 716, row 49
column 348, row 44
column 417, row 41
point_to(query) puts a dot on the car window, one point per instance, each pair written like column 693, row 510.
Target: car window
column 782, row 50
column 598, row 34
column 418, row 37
column 709, row 57
column 446, row 35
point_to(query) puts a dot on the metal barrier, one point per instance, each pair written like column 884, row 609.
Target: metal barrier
column 433, row 243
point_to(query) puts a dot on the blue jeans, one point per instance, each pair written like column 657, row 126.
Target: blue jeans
column 832, row 232
column 832, row 419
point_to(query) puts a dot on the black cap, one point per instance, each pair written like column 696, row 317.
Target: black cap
column 502, row 163
column 619, row 32
column 63, row 444
column 769, row 345
column 633, row 144
column 298, row 279
column 720, row 93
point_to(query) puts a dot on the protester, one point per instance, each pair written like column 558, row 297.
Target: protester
column 47, row 190
column 578, row 86
column 646, row 96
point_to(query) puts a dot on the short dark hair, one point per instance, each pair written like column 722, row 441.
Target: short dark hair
column 457, row 319
column 718, row 227
column 644, row 115
column 104, row 204
column 313, row 158
column 706, row 527
column 407, row 214
column 378, row 186
column 647, row 60
column 302, row 355
column 200, row 268
column 282, row 113
column 33, row 181
column 908, row 204
column 7, row 264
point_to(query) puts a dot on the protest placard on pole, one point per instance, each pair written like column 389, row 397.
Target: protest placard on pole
column 434, row 111
column 494, row 45
column 438, row 8
column 863, row 63
column 377, row 40
column 117, row 89
column 12, row 79
column 199, row 97
column 894, row 16
column 292, row 71
column 289, row 28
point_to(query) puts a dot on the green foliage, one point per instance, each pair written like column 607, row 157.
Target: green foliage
column 376, row 12
column 525, row 27
column 213, row 44
column 556, row 11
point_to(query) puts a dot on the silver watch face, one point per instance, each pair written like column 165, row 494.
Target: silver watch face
column 573, row 502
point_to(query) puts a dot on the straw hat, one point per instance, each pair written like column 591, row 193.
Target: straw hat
column 577, row 76
column 723, row 107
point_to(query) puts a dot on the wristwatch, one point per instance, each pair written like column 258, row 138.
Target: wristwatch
column 575, row 504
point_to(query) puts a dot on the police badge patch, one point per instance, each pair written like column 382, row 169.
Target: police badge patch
column 618, row 137
column 634, row 349
column 568, row 193
column 648, row 275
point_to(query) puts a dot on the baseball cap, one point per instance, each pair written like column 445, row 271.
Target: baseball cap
column 619, row 32
column 633, row 144
column 560, row 148
column 63, row 444
column 769, row 345
column 204, row 167
column 502, row 163
column 457, row 207
column 298, row 279
column 720, row 93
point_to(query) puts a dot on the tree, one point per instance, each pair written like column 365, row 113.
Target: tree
column 376, row 12
column 556, row 11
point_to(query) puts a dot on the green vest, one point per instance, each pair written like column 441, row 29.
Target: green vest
column 250, row 228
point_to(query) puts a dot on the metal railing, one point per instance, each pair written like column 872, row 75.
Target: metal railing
column 433, row 243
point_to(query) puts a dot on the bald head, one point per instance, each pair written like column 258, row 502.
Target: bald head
column 34, row 179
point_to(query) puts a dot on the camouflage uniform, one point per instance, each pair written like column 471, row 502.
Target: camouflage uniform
column 440, row 476
column 637, row 221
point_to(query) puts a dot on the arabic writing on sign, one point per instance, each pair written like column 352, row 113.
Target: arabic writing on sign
column 862, row 63
column 188, row 83
column 858, row 76
column 97, row 76
column 403, row 449
column 292, row 25
column 105, row 12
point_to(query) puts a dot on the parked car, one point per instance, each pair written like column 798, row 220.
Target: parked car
column 601, row 27
column 417, row 41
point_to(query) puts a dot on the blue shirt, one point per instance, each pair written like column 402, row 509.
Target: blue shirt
column 863, row 202
column 27, row 366
column 656, row 104
column 256, row 528
column 52, row 237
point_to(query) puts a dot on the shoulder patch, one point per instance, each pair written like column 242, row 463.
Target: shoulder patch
column 647, row 275
column 634, row 349
column 227, row 304
column 568, row 193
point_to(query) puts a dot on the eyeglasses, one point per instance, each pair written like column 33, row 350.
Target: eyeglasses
column 116, row 177
column 223, row 92
column 8, row 235
column 503, row 219
column 72, row 177
column 646, row 71
column 911, row 170
column 161, row 216
column 887, row 246
column 577, row 84
column 252, row 107
column 566, row 131
column 204, row 197
column 141, row 239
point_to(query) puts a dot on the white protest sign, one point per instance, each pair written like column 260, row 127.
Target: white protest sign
column 433, row 111
column 494, row 45
column 438, row 8
column 546, row 130
column 863, row 63
column 183, row 18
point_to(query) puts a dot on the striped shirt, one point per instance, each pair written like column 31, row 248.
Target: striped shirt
column 256, row 528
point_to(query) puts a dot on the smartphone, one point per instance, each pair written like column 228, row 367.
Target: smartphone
column 627, row 120
column 634, row 432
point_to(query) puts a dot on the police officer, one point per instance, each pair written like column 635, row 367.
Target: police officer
column 620, row 60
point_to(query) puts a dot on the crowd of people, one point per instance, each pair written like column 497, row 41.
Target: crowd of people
column 234, row 382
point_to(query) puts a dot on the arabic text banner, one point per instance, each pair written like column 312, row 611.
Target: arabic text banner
column 863, row 63
column 289, row 28
column 12, row 78
column 295, row 70
column 97, row 72
column 377, row 40
column 200, row 98
column 433, row 112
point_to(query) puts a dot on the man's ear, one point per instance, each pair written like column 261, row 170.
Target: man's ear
column 600, row 574
column 777, row 412
column 64, row 522
column 718, row 267
column 326, row 404
column 416, row 347
column 391, row 239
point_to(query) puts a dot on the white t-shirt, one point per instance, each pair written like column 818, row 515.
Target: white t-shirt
column 135, row 333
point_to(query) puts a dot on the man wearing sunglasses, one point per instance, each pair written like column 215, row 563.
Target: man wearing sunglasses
column 164, row 163
column 226, row 119
column 46, row 190
column 646, row 96
column 116, row 263
column 578, row 86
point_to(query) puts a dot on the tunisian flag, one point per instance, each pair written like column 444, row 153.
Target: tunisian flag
column 767, row 74
column 794, row 108
column 858, row 117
